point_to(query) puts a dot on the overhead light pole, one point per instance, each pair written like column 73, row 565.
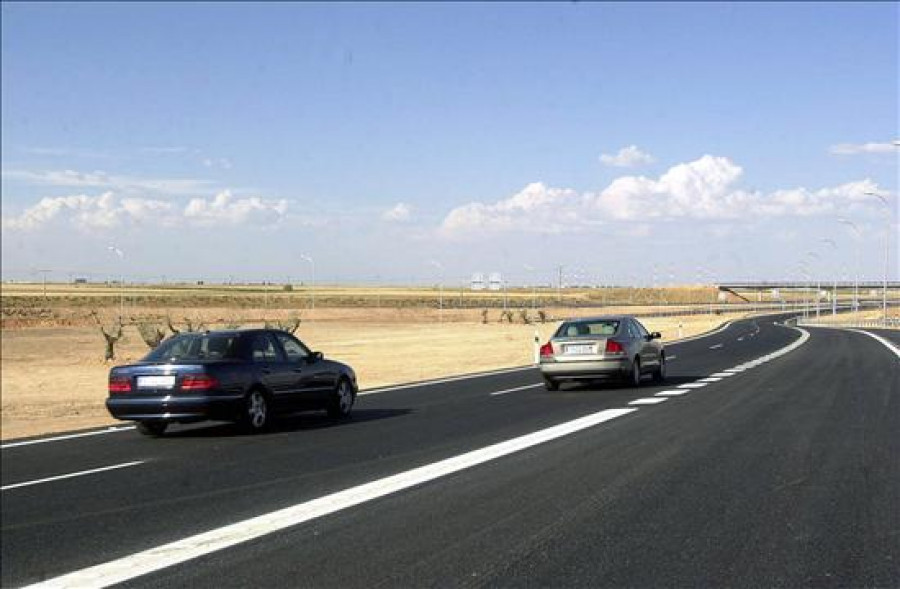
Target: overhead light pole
column 312, row 283
column 887, row 253
column 856, row 230
column 833, row 245
column 121, row 255
column 440, row 268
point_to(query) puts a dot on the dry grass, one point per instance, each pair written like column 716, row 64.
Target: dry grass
column 54, row 379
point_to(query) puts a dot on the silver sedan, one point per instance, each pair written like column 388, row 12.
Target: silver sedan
column 605, row 347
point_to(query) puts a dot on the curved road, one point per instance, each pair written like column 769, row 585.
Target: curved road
column 745, row 469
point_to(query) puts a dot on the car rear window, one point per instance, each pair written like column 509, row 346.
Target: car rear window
column 191, row 347
column 588, row 328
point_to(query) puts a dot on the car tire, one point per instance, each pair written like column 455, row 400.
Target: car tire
column 255, row 413
column 659, row 375
column 634, row 375
column 551, row 384
column 342, row 400
column 153, row 429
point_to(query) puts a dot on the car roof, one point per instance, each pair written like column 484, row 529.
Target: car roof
column 248, row 330
column 600, row 318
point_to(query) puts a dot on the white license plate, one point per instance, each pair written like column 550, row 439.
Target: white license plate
column 156, row 382
column 580, row 349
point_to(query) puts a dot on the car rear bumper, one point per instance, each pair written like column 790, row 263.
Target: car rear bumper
column 181, row 408
column 588, row 369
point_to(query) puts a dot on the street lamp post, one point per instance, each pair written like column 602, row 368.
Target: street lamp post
column 856, row 230
column 312, row 284
column 887, row 253
column 440, row 268
column 121, row 255
column 833, row 245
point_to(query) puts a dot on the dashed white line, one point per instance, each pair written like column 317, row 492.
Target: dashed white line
column 722, row 374
column 513, row 390
column 110, row 430
column 716, row 347
column 70, row 475
column 673, row 393
column 173, row 553
column 670, row 358
column 692, row 385
column 710, row 379
column 648, row 401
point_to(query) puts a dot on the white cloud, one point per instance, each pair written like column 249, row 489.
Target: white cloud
column 224, row 208
column 706, row 188
column 536, row 208
column 90, row 212
column 858, row 148
column 221, row 162
column 399, row 213
column 117, row 183
column 107, row 210
column 627, row 157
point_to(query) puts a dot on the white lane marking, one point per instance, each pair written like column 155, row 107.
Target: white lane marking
column 70, row 475
column 110, row 430
column 648, row 401
column 513, row 390
column 887, row 343
column 740, row 339
column 424, row 383
column 710, row 379
column 702, row 335
column 716, row 347
column 672, row 393
column 722, row 374
column 670, row 358
column 173, row 553
column 692, row 385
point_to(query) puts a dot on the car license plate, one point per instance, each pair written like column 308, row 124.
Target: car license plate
column 156, row 382
column 580, row 349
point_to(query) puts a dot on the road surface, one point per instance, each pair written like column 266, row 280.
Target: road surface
column 769, row 458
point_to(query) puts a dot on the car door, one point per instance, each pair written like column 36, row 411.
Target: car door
column 649, row 348
column 305, row 393
column 272, row 369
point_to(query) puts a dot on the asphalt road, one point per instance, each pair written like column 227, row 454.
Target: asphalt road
column 785, row 473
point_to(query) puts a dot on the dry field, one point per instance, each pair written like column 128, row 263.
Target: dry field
column 54, row 378
column 867, row 317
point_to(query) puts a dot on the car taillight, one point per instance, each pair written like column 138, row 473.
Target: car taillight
column 547, row 349
column 200, row 382
column 119, row 384
column 614, row 347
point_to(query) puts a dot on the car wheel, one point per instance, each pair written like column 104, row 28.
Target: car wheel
column 255, row 417
column 342, row 402
column 551, row 384
column 152, row 428
column 635, row 375
column 660, row 374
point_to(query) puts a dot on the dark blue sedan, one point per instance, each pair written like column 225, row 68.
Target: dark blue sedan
column 243, row 376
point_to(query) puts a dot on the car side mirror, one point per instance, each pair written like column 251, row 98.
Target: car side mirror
column 315, row 357
column 655, row 335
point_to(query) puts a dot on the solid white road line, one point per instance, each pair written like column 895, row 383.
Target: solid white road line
column 110, row 430
column 716, row 347
column 173, row 553
column 672, row 393
column 648, row 401
column 886, row 342
column 513, row 390
column 71, row 475
column 693, row 385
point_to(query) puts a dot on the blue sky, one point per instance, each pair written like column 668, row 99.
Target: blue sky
column 211, row 140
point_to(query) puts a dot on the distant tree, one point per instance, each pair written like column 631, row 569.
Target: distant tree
column 112, row 336
column 484, row 316
column 542, row 316
column 151, row 333
column 523, row 315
